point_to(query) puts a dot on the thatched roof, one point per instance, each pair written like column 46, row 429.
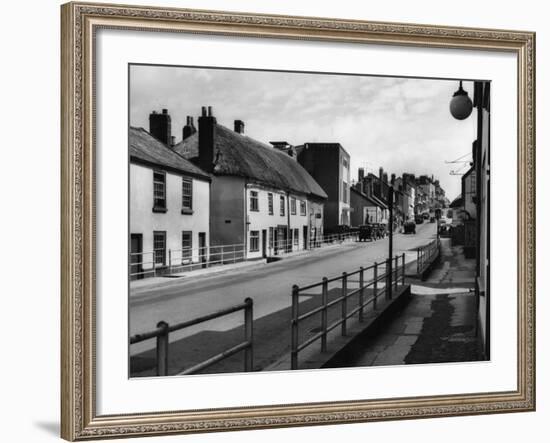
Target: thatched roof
column 147, row 150
column 238, row 155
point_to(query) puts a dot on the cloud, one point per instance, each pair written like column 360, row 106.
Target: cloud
column 401, row 124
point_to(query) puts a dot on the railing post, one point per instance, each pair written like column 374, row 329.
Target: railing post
column 154, row 264
column 249, row 335
column 344, row 301
column 361, row 284
column 418, row 261
column 162, row 349
column 294, row 329
column 388, row 279
column 375, row 287
column 396, row 271
column 169, row 261
column 403, row 270
column 324, row 314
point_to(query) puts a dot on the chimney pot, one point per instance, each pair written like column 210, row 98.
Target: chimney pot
column 189, row 129
column 207, row 139
column 160, row 126
column 239, row 126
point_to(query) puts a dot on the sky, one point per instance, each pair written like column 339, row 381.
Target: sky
column 400, row 124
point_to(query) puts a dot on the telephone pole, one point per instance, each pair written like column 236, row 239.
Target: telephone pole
column 390, row 252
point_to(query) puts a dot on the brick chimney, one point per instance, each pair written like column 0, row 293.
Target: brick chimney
column 207, row 139
column 189, row 129
column 239, row 126
column 160, row 126
column 361, row 175
column 367, row 186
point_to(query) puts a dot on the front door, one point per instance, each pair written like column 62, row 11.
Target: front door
column 136, row 256
column 202, row 249
column 264, row 243
column 305, row 236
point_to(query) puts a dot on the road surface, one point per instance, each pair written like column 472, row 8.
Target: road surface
column 269, row 285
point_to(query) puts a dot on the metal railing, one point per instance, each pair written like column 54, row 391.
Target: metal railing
column 164, row 329
column 281, row 247
column 144, row 264
column 426, row 254
column 185, row 259
column 378, row 282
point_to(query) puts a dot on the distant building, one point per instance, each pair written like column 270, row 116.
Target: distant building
column 363, row 208
column 368, row 203
column 169, row 210
column 329, row 165
column 405, row 194
column 426, row 185
column 261, row 198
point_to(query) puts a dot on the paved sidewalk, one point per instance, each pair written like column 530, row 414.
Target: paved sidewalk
column 437, row 326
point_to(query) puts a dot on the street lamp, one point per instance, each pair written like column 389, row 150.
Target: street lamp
column 461, row 105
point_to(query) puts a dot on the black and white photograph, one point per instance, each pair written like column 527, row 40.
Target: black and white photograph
column 283, row 221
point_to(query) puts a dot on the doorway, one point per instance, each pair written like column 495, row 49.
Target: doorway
column 202, row 249
column 136, row 256
column 264, row 243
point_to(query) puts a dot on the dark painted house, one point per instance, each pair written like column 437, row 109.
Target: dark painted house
column 329, row 165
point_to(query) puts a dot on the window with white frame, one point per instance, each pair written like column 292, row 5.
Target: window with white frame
column 302, row 207
column 293, row 206
column 159, row 247
column 254, row 205
column 187, row 193
column 270, row 203
column 254, row 241
column 159, row 190
column 186, row 246
column 282, row 205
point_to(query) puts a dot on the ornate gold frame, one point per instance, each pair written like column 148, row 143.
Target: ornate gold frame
column 79, row 420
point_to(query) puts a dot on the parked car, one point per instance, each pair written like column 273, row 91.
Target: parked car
column 419, row 219
column 409, row 227
column 432, row 219
column 426, row 215
column 365, row 233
